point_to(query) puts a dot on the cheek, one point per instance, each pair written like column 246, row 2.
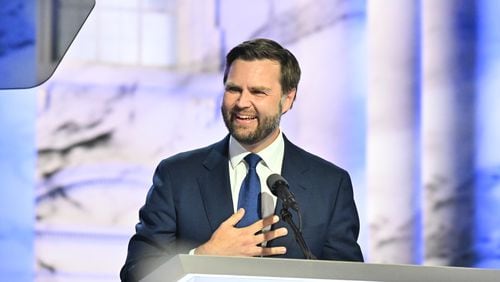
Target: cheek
column 227, row 101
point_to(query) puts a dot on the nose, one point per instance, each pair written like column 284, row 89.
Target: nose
column 244, row 99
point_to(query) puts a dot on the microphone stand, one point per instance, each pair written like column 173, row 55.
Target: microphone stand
column 287, row 217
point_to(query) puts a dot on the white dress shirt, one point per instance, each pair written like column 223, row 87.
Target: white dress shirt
column 272, row 161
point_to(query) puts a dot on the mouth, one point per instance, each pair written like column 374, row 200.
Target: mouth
column 244, row 117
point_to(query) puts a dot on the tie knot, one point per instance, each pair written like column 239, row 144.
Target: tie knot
column 252, row 160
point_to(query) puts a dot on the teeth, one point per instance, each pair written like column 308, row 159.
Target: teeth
column 246, row 117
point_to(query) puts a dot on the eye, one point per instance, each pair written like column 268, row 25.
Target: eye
column 259, row 92
column 233, row 89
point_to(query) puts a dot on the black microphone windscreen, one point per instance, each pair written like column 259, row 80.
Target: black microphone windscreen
column 273, row 179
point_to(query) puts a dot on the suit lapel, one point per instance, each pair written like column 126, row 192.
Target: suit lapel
column 214, row 185
column 294, row 170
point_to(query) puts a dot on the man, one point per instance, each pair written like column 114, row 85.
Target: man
column 200, row 201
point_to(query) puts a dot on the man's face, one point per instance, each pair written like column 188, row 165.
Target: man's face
column 253, row 102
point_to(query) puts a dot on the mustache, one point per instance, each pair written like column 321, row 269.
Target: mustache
column 243, row 112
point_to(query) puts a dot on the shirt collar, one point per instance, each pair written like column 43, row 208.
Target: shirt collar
column 272, row 155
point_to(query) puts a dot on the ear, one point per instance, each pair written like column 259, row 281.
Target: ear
column 287, row 100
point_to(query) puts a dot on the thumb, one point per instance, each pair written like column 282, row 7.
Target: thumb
column 236, row 217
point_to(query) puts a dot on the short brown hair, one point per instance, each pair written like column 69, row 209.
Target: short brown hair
column 260, row 49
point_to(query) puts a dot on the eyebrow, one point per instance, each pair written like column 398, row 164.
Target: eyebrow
column 260, row 89
column 253, row 88
column 231, row 85
column 234, row 86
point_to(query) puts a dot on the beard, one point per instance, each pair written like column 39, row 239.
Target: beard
column 265, row 126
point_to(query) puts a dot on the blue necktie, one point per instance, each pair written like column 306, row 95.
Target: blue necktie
column 249, row 197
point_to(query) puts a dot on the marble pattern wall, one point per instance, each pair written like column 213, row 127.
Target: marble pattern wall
column 111, row 113
column 393, row 163
column 487, row 158
column 448, row 133
column 102, row 129
column 97, row 146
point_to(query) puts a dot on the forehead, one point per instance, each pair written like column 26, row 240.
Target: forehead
column 254, row 71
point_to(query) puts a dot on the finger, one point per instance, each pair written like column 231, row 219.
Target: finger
column 236, row 217
column 272, row 219
column 273, row 251
column 270, row 235
column 260, row 224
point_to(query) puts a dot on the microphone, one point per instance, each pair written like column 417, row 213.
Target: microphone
column 279, row 187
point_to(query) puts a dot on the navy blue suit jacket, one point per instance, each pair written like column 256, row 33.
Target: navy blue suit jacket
column 191, row 196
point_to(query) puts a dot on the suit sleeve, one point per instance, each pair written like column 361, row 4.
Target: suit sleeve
column 343, row 228
column 155, row 239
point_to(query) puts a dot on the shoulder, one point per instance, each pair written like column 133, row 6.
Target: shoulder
column 196, row 157
column 312, row 162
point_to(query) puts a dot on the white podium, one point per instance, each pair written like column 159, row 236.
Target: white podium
column 225, row 269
